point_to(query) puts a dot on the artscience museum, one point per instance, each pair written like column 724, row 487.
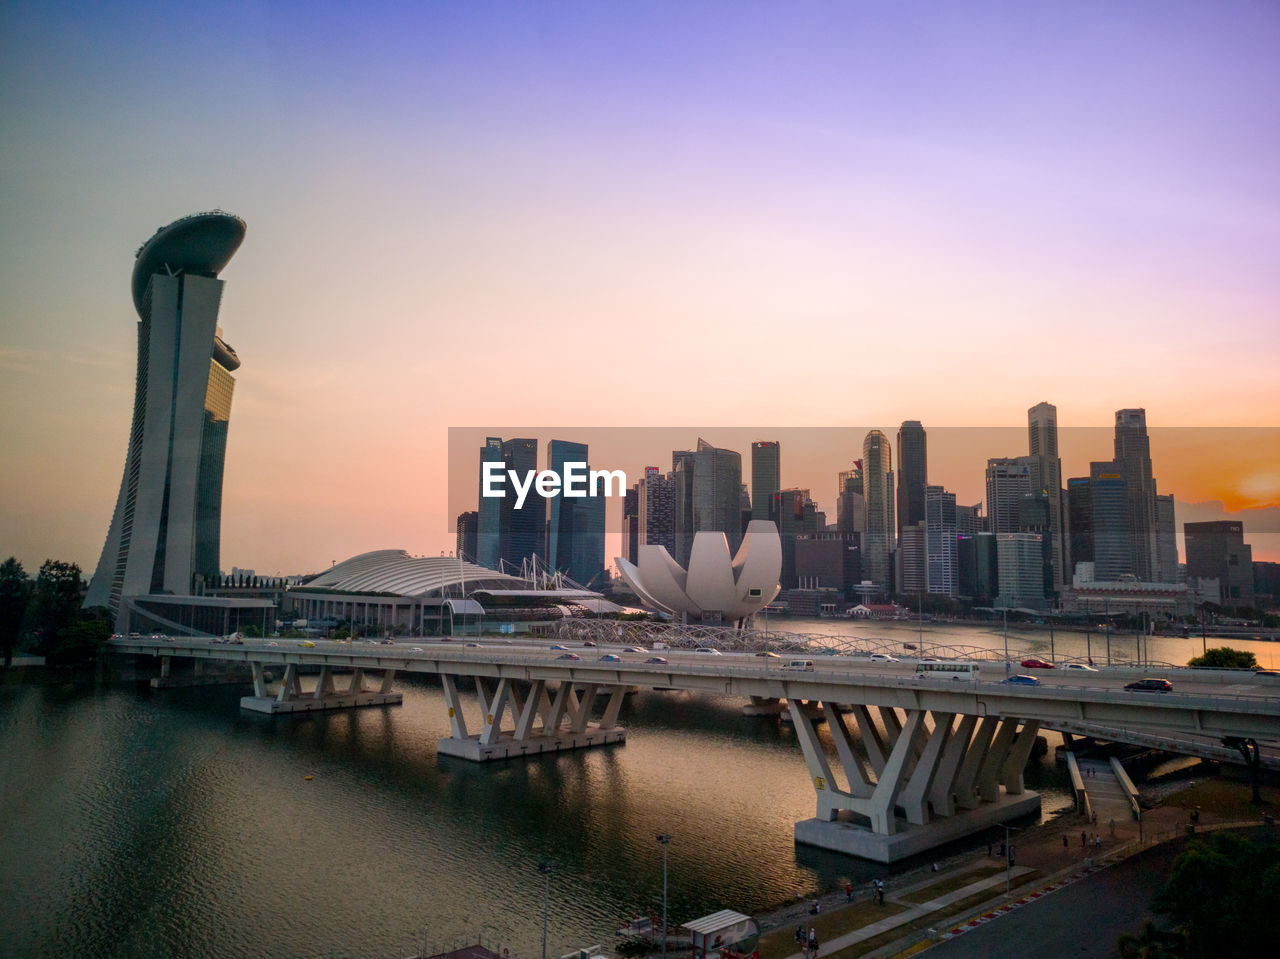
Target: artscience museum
column 715, row 588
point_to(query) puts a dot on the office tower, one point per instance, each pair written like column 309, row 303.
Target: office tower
column 657, row 504
column 1133, row 456
column 912, row 477
column 878, row 536
column 969, row 520
column 794, row 513
column 167, row 525
column 1166, row 539
column 489, row 510
column 575, row 524
column 467, row 526
column 1008, row 480
column 1035, row 515
column 1046, row 474
column 766, row 476
column 911, row 556
column 851, row 505
column 1020, row 564
column 986, row 568
column 708, row 496
column 1108, row 519
column 1079, row 523
column 940, row 540
column 1217, row 550
column 829, row 560
column 521, row 531
column 631, row 525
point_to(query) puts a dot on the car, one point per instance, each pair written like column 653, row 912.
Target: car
column 273, row 644
column 1021, row 680
column 588, row 642
column 308, row 643
column 883, row 658
column 767, row 654
column 610, row 658
column 558, row 646
column 1084, row 666
column 656, row 661
column 1036, row 664
column 633, row 649
column 709, row 650
column 387, row 642
column 1150, row 685
column 473, row 645
column 1266, row 672
column 568, row 656
column 416, row 649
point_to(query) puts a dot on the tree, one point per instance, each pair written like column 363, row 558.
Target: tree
column 1222, row 894
column 1151, row 943
column 15, row 594
column 78, row 641
column 55, row 603
column 1224, row 657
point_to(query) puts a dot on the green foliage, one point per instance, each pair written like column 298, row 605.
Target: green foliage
column 78, row 641
column 55, row 603
column 1151, row 943
column 1223, row 893
column 15, row 594
column 1224, row 657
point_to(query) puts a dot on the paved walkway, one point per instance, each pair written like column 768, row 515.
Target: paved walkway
column 1107, row 798
column 916, row 910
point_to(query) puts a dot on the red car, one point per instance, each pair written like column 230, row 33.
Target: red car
column 1036, row 664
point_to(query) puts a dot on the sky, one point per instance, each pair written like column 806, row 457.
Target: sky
column 695, row 215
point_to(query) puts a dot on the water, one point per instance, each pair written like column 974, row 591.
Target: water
column 159, row 823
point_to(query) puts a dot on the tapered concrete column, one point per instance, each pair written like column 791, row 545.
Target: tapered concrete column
column 494, row 704
column 324, row 684
column 855, row 772
column 915, row 797
column 357, row 681
column 529, row 712
column 814, row 758
column 617, row 695
column 290, row 688
column 891, row 780
column 259, row 680
column 988, row 782
column 166, row 663
column 457, row 721
column 1011, row 774
column 583, row 712
column 942, row 795
column 974, row 756
column 872, row 742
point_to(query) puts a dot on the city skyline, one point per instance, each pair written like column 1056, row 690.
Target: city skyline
column 436, row 196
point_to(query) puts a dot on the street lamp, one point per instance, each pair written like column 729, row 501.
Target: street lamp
column 545, row 868
column 1008, row 855
column 665, row 839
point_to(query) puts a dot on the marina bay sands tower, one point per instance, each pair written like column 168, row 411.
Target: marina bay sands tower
column 166, row 527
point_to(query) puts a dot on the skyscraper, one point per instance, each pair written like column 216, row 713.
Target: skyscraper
column 1046, row 475
column 1166, row 539
column 766, row 476
column 657, row 505
column 466, row 535
column 708, row 496
column 631, row 525
column 1133, row 456
column 1079, row 523
column 1108, row 519
column 166, row 528
column 1008, row 480
column 940, row 540
column 575, row 524
column 489, row 511
column 794, row 513
column 521, row 531
column 912, row 477
column 878, row 536
column 1217, row 550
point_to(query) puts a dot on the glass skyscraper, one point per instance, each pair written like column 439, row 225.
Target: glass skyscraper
column 878, row 534
column 575, row 525
column 766, row 476
column 166, row 528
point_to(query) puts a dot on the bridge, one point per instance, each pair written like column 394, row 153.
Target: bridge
column 919, row 760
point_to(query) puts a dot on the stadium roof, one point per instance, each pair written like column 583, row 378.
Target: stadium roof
column 394, row 571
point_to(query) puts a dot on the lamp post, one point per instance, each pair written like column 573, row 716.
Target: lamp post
column 665, row 839
column 1005, row 612
column 545, row 868
column 1008, row 856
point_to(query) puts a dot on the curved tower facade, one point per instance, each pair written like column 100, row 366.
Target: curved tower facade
column 877, row 536
column 166, row 528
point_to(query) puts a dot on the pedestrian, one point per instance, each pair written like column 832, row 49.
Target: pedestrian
column 935, row 867
column 800, row 934
column 848, row 891
column 813, row 938
column 880, row 894
column 1112, row 826
column 1084, row 839
column 1095, row 817
column 1064, row 840
column 988, row 848
column 814, row 945
column 1097, row 841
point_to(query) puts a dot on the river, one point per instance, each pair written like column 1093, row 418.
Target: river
column 139, row 822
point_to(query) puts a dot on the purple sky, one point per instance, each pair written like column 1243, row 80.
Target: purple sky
column 640, row 214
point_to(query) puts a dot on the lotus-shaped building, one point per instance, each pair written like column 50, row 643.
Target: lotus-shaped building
column 715, row 588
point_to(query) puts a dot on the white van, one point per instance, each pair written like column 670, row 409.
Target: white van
column 805, row 665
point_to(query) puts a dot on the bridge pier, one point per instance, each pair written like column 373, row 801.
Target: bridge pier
column 290, row 697
column 540, row 722
column 913, row 781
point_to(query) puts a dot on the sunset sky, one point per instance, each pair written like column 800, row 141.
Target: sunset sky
column 693, row 215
